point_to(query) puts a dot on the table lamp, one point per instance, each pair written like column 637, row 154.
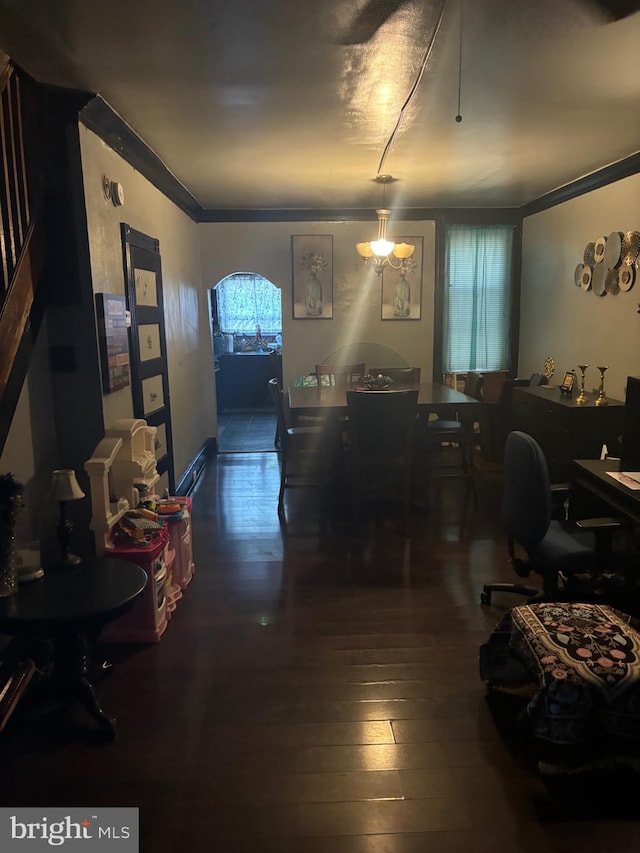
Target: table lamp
column 65, row 488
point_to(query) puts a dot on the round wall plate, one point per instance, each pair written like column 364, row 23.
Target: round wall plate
column 612, row 251
column 598, row 280
column 612, row 282
column 585, row 281
column 630, row 250
column 626, row 277
column 589, row 256
column 577, row 276
column 600, row 246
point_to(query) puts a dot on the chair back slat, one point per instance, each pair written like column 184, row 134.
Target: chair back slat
column 401, row 376
column 341, row 375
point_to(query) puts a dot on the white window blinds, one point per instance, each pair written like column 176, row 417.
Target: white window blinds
column 477, row 298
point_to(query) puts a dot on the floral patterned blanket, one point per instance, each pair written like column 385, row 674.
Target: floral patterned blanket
column 585, row 659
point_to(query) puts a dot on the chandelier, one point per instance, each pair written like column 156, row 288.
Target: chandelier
column 381, row 252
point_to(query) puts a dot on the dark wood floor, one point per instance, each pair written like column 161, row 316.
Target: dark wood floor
column 246, row 432
column 319, row 692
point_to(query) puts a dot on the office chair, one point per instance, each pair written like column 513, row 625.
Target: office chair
column 553, row 549
column 381, row 430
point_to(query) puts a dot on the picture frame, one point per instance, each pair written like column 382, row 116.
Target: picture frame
column 312, row 276
column 566, row 386
column 402, row 288
column 113, row 338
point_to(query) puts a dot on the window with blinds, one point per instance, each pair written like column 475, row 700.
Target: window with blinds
column 477, row 298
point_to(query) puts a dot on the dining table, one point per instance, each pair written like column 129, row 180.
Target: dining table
column 433, row 397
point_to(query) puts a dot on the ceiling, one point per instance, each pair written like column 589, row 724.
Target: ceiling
column 289, row 104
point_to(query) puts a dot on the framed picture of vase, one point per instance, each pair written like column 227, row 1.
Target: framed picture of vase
column 402, row 288
column 312, row 276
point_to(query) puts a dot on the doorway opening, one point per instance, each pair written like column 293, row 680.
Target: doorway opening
column 246, row 319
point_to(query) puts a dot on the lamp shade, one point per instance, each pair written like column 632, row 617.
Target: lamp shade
column 403, row 250
column 64, row 486
column 364, row 250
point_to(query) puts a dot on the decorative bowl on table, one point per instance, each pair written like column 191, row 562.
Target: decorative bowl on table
column 377, row 383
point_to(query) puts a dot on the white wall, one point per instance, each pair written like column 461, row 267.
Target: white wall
column 561, row 320
column 265, row 248
column 189, row 345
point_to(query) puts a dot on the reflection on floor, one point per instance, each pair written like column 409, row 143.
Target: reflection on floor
column 317, row 691
column 246, row 432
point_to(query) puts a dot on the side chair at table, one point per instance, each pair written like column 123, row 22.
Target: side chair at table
column 381, row 431
column 305, row 451
column 461, row 433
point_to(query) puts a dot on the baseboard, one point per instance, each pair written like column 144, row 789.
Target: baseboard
column 195, row 468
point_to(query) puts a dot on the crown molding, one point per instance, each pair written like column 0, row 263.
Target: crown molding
column 596, row 180
column 99, row 117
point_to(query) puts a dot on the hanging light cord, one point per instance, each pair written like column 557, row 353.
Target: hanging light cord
column 459, row 115
column 413, row 89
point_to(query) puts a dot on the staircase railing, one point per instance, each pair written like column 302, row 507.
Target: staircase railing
column 21, row 240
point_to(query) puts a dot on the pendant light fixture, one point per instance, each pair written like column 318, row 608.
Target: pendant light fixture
column 381, row 252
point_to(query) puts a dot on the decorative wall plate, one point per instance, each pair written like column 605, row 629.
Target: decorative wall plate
column 585, row 281
column 612, row 251
column 589, row 255
column 630, row 250
column 577, row 276
column 612, row 283
column 600, row 246
column 626, row 277
column 598, row 280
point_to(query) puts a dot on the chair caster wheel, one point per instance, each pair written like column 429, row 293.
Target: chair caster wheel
column 485, row 598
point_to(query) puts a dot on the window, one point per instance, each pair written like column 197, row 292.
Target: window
column 477, row 298
column 245, row 301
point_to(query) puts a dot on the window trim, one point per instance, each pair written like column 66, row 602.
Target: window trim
column 476, row 217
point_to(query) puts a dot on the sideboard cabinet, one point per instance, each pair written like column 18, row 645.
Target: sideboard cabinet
column 564, row 429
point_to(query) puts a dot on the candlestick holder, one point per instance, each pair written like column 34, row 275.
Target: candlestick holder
column 582, row 397
column 602, row 400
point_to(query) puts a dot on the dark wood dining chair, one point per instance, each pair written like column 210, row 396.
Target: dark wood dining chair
column 380, row 452
column 343, row 375
column 461, row 434
column 303, row 462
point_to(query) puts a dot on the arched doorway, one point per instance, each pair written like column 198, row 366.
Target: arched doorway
column 246, row 319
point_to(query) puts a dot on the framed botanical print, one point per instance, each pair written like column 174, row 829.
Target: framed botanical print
column 402, row 288
column 312, row 276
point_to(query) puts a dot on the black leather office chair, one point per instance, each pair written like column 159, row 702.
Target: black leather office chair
column 553, row 548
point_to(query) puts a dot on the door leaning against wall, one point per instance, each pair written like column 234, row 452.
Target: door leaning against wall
column 147, row 344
